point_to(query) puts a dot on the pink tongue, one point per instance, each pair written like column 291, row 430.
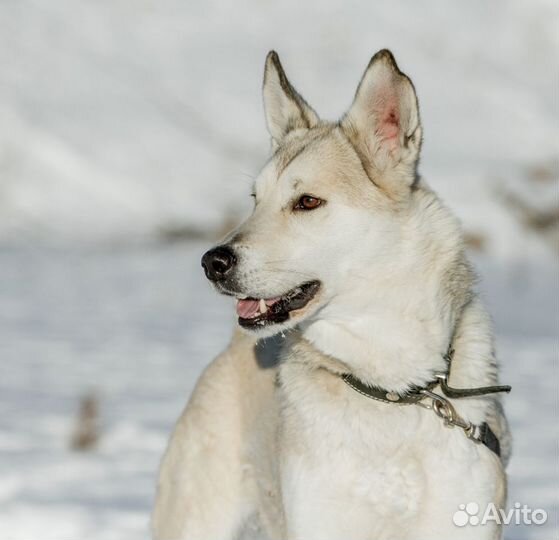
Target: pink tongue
column 247, row 309
column 250, row 308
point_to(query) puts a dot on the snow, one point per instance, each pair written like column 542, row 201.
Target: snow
column 124, row 325
column 122, row 119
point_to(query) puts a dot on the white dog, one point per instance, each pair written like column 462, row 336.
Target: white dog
column 359, row 270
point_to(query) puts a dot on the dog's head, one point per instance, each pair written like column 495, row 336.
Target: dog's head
column 327, row 205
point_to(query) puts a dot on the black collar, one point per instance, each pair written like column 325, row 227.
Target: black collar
column 417, row 393
column 410, row 397
column 440, row 404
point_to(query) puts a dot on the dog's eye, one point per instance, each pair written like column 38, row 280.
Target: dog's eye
column 308, row 202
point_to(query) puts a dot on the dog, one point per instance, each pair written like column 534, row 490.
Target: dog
column 333, row 414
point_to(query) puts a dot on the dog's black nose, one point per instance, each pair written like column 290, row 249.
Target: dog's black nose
column 218, row 262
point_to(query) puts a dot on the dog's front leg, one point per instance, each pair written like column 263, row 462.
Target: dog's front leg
column 200, row 491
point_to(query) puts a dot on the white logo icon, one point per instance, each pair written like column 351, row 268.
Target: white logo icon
column 467, row 514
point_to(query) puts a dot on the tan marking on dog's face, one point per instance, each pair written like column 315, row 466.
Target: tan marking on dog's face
column 319, row 160
column 295, row 143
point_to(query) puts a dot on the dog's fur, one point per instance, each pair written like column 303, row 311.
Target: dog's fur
column 272, row 434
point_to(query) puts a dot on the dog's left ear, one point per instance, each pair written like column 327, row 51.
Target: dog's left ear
column 285, row 109
column 383, row 123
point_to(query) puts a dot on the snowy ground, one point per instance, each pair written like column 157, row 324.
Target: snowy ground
column 121, row 120
column 124, row 324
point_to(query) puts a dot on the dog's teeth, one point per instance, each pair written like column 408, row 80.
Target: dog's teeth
column 263, row 306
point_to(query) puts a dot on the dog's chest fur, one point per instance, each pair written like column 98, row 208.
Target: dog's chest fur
column 379, row 463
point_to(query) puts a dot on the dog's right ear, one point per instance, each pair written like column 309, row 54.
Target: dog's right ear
column 285, row 109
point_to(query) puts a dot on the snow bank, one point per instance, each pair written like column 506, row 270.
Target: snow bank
column 120, row 119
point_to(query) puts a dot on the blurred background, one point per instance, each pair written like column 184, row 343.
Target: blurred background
column 130, row 132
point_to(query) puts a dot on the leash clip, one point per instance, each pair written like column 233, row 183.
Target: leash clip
column 444, row 409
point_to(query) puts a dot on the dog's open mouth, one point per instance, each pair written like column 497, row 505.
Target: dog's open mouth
column 255, row 312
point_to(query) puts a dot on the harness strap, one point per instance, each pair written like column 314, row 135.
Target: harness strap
column 489, row 439
column 458, row 393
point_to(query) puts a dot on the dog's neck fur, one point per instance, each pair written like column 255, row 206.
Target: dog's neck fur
column 394, row 331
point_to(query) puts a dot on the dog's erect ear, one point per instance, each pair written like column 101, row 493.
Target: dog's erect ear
column 383, row 121
column 285, row 109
